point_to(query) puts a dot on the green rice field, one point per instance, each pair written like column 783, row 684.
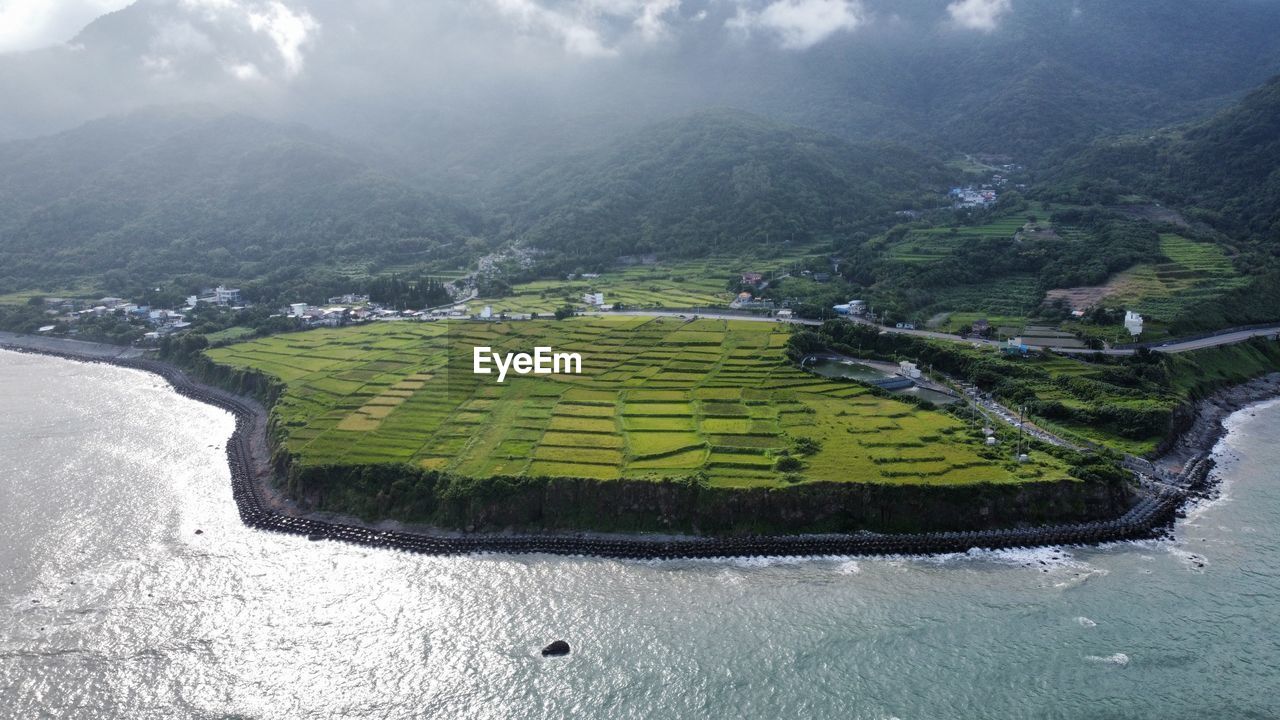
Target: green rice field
column 1194, row 272
column 657, row 398
column 671, row 284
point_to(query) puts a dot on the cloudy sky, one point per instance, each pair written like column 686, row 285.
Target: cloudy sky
column 270, row 54
column 581, row 27
column 31, row 24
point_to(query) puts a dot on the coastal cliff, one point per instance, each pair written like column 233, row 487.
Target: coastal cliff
column 409, row 494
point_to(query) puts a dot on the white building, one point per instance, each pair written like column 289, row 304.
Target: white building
column 223, row 295
column 298, row 309
column 1133, row 323
column 853, row 307
column 909, row 370
column 593, row 299
column 486, row 312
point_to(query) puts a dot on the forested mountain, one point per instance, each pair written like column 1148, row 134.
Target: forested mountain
column 1223, row 172
column 1226, row 170
column 157, row 194
column 716, row 181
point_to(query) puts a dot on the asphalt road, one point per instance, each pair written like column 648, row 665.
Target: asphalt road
column 1174, row 346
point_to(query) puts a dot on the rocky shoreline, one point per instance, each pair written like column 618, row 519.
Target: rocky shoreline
column 1188, row 461
column 262, row 507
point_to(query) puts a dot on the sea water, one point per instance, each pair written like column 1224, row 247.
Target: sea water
column 129, row 588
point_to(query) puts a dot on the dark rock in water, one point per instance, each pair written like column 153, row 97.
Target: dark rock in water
column 556, row 649
column 199, row 531
column 317, row 536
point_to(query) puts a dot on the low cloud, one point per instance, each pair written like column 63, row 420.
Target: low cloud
column 248, row 39
column 652, row 22
column 31, row 24
column 801, row 24
column 288, row 29
column 981, row 15
column 591, row 28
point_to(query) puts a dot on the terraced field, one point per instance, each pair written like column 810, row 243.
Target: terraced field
column 657, row 398
column 1195, row 272
column 682, row 284
column 928, row 245
column 1011, row 297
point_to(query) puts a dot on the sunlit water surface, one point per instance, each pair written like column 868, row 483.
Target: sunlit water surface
column 111, row 605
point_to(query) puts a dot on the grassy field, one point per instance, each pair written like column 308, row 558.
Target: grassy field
column 658, row 398
column 21, row 297
column 952, row 322
column 1011, row 298
column 1194, row 272
column 229, row 335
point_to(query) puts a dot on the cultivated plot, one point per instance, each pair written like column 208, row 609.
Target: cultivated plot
column 658, row 398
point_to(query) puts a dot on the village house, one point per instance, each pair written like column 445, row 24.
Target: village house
column 221, row 295
column 745, row 301
column 349, row 299
column 853, row 307
column 1133, row 323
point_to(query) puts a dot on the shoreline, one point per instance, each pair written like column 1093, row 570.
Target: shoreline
column 262, row 506
column 1188, row 461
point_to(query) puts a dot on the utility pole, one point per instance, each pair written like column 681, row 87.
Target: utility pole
column 1021, row 428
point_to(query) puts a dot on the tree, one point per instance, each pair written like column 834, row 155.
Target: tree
column 803, row 343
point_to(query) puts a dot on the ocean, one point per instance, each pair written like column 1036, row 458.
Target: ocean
column 129, row 589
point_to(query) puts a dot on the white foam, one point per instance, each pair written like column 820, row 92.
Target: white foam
column 1191, row 560
column 849, row 567
column 1113, row 659
column 1041, row 558
column 1086, row 622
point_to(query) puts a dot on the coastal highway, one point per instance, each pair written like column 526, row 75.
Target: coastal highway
column 1226, row 337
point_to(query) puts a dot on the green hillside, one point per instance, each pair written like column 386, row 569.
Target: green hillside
column 135, row 200
column 1224, row 175
column 710, row 183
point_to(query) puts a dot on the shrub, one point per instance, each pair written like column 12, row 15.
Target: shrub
column 787, row 464
column 807, row 446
